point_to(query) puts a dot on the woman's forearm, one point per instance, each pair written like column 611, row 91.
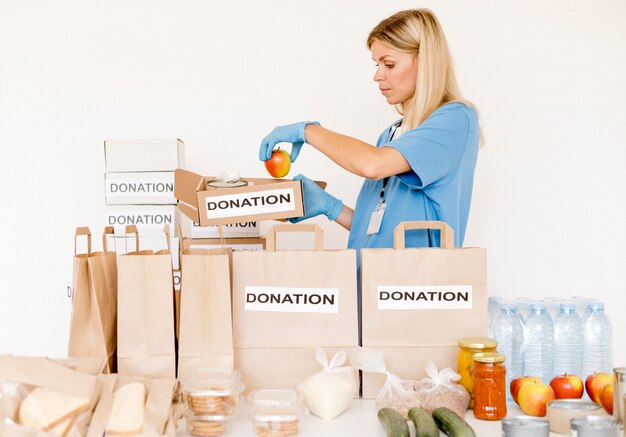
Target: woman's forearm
column 354, row 155
column 345, row 218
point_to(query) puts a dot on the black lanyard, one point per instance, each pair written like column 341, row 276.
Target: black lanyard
column 395, row 127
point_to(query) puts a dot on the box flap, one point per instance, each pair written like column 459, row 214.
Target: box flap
column 186, row 186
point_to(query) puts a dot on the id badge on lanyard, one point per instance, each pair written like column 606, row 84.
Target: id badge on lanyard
column 376, row 219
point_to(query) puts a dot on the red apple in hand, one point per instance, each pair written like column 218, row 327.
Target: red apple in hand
column 279, row 164
column 518, row 383
column 567, row 386
column 595, row 382
column 533, row 398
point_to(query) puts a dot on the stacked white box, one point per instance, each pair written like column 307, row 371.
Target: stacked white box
column 238, row 236
column 139, row 190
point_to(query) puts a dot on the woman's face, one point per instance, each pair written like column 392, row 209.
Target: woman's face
column 396, row 72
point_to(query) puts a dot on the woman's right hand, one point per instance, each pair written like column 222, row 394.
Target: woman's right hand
column 317, row 201
column 291, row 133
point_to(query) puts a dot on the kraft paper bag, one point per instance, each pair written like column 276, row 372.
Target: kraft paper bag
column 418, row 302
column 93, row 327
column 146, row 344
column 159, row 407
column 287, row 303
column 21, row 375
column 206, row 331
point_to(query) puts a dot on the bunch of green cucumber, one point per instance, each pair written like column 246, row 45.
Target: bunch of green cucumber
column 425, row 425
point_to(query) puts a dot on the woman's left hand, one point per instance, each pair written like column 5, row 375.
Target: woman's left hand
column 291, row 133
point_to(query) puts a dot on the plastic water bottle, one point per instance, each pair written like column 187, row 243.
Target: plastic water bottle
column 539, row 352
column 493, row 310
column 598, row 340
column 509, row 332
column 568, row 341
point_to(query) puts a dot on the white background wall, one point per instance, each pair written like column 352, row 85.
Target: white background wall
column 548, row 76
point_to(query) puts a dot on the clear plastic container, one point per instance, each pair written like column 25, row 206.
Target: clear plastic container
column 208, row 425
column 212, row 392
column 276, row 413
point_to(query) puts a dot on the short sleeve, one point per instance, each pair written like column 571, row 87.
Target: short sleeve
column 435, row 148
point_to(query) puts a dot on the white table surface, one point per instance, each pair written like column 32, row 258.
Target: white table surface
column 360, row 420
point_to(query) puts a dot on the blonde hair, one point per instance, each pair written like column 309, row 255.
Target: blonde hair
column 418, row 31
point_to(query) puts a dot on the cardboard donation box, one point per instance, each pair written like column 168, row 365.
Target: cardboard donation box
column 248, row 229
column 138, row 155
column 149, row 219
column 129, row 188
column 235, row 244
column 286, row 303
column 206, row 327
column 252, row 199
column 93, row 326
column 418, row 302
column 145, row 323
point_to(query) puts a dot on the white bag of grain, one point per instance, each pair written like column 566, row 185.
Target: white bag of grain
column 329, row 392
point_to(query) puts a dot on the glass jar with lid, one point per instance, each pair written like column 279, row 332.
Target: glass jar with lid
column 489, row 376
column 467, row 348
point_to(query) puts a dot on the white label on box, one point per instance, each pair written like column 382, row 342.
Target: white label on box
column 231, row 230
column 147, row 218
column 235, row 247
column 146, row 184
column 258, row 202
column 292, row 299
column 424, row 297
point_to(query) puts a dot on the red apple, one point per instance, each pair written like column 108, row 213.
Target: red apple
column 279, row 164
column 567, row 386
column 533, row 398
column 606, row 397
column 518, row 383
column 595, row 382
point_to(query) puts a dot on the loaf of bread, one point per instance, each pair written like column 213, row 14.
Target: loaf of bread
column 47, row 409
column 127, row 410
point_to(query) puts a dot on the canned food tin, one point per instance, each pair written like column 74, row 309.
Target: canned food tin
column 595, row 426
column 561, row 411
column 523, row 426
column 226, row 184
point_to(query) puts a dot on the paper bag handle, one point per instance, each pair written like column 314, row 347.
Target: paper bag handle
column 166, row 231
column 270, row 238
column 83, row 231
column 108, row 230
column 446, row 238
column 132, row 229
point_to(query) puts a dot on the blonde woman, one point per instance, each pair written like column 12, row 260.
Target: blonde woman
column 422, row 166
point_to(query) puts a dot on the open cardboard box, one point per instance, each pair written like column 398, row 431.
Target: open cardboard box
column 261, row 199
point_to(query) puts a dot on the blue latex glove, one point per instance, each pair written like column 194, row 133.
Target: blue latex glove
column 292, row 133
column 317, row 201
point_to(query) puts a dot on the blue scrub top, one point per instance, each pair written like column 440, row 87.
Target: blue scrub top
column 442, row 153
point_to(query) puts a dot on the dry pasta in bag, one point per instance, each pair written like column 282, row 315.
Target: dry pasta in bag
column 330, row 391
column 395, row 393
column 441, row 390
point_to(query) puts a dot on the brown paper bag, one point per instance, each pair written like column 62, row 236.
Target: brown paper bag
column 418, row 302
column 159, row 410
column 206, row 333
column 146, row 312
column 94, row 302
column 286, row 303
column 21, row 375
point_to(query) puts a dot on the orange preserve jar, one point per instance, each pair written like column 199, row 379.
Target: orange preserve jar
column 467, row 348
column 489, row 386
